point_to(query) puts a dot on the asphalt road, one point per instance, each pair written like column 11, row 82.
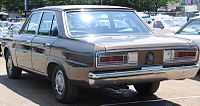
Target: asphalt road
column 33, row 90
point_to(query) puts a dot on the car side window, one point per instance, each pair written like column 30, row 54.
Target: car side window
column 46, row 23
column 54, row 28
column 32, row 25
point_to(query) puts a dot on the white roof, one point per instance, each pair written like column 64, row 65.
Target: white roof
column 197, row 17
column 3, row 13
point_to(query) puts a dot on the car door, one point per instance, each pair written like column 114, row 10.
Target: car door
column 24, row 39
column 47, row 34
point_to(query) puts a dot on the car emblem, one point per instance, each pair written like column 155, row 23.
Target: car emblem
column 149, row 58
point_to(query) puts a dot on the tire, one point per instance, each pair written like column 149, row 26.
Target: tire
column 12, row 71
column 66, row 93
column 148, row 88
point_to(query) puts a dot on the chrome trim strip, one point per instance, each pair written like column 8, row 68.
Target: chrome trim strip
column 152, row 48
column 114, row 74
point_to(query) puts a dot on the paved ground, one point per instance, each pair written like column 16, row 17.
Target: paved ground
column 32, row 90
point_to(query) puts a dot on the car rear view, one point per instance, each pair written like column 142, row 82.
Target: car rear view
column 96, row 46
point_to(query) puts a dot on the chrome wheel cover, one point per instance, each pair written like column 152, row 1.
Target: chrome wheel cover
column 59, row 82
column 9, row 64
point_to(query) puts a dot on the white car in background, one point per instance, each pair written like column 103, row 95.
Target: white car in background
column 5, row 24
column 4, row 27
column 3, row 31
column 146, row 17
column 166, row 26
column 14, row 28
column 191, row 31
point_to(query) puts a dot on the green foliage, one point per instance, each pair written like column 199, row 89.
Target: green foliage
column 140, row 5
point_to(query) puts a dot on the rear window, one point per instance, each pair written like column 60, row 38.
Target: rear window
column 105, row 23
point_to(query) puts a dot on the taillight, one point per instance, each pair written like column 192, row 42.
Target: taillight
column 186, row 55
column 117, row 59
column 111, row 59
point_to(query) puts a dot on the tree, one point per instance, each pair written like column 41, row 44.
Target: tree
column 161, row 3
column 140, row 5
column 12, row 5
column 143, row 5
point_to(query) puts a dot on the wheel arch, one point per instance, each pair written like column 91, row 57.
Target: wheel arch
column 5, row 51
column 50, row 67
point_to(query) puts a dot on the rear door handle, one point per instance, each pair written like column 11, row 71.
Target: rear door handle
column 28, row 42
column 47, row 44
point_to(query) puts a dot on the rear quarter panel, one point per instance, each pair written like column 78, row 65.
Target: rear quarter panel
column 76, row 57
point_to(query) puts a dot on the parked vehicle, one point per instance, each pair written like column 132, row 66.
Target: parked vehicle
column 14, row 28
column 3, row 32
column 85, row 46
column 4, row 24
column 191, row 30
column 166, row 26
column 0, row 45
column 147, row 18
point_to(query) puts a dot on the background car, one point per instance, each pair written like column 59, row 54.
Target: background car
column 15, row 27
column 5, row 24
column 165, row 26
column 146, row 17
column 191, row 30
column 3, row 31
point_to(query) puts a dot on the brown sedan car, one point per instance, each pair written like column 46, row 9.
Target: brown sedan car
column 91, row 46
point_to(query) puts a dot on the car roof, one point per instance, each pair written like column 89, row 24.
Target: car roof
column 197, row 17
column 78, row 7
column 4, row 22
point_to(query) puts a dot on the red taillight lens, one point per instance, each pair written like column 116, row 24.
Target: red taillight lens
column 116, row 59
column 185, row 54
column 104, row 59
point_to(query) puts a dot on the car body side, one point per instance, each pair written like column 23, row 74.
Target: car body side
column 70, row 54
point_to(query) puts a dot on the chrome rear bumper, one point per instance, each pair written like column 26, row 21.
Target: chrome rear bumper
column 147, row 74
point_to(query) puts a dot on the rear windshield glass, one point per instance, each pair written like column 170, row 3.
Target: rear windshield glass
column 105, row 23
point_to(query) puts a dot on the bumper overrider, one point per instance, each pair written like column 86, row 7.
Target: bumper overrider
column 146, row 74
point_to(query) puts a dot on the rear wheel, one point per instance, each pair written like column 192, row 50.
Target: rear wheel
column 12, row 71
column 63, row 89
column 147, row 88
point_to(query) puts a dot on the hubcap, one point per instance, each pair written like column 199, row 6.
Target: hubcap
column 59, row 82
column 9, row 64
